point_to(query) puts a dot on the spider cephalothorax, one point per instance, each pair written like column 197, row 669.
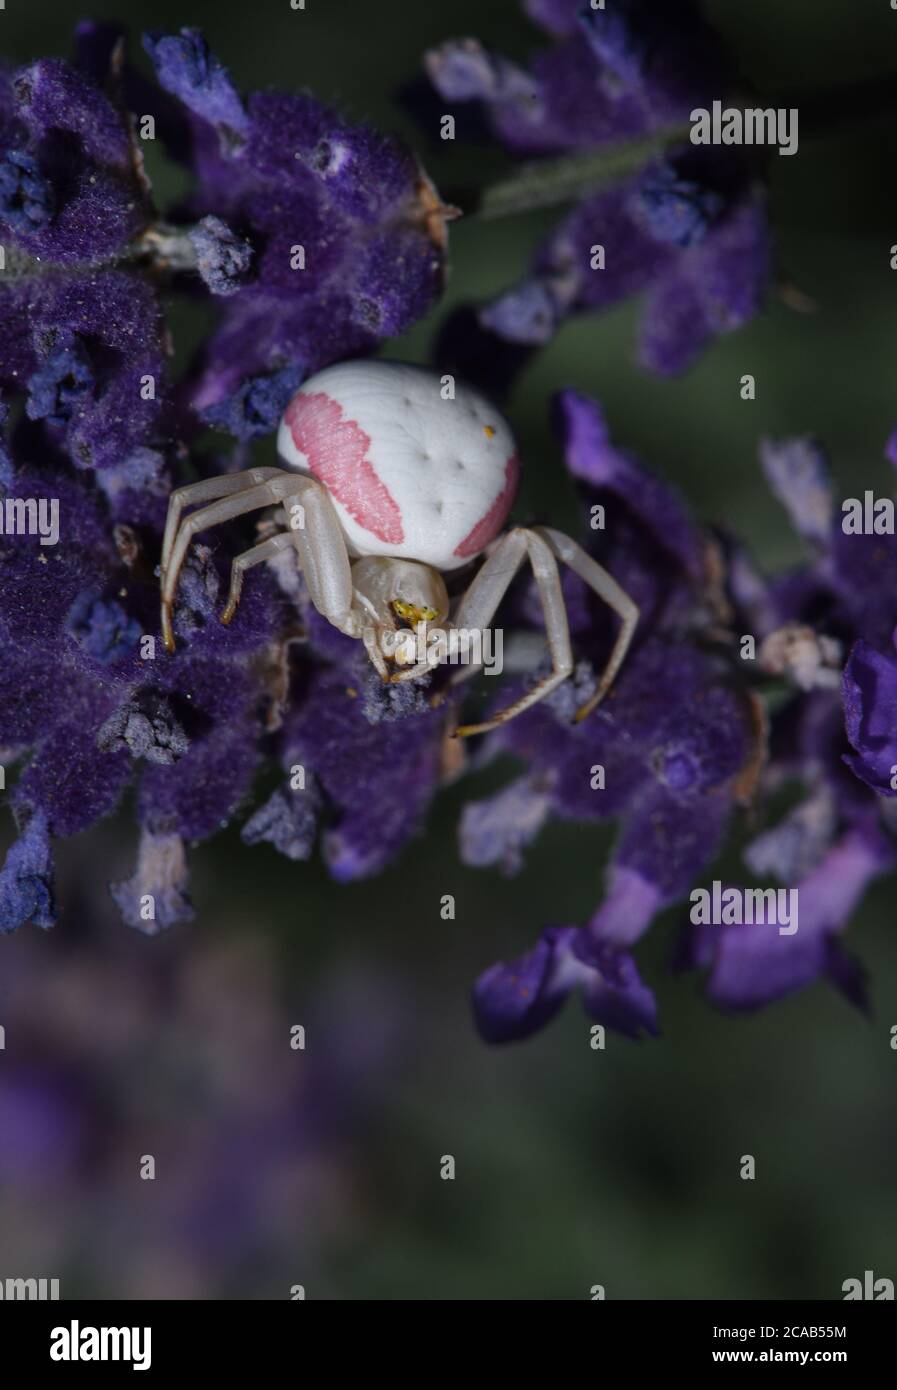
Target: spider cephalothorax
column 388, row 480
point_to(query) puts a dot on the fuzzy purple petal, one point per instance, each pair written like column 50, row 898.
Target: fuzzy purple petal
column 497, row 830
column 754, row 964
column 26, row 879
column 715, row 287
column 377, row 779
column 155, row 897
column 798, row 473
column 188, row 70
column 513, row 1001
column 594, row 460
column 870, row 713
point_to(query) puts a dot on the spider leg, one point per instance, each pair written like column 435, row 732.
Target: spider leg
column 548, row 582
column 481, row 600
column 375, row 655
column 323, row 557
column 607, row 588
column 265, row 551
column 408, row 673
column 249, row 500
column 464, row 673
column 206, row 491
column 489, row 585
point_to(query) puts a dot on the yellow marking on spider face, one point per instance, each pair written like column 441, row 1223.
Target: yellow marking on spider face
column 410, row 613
column 351, row 692
column 488, row 431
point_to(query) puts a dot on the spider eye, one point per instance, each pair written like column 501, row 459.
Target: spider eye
column 410, row 613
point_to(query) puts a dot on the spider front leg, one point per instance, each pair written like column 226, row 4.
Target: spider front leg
column 545, row 547
column 607, row 588
column 236, row 493
column 206, row 491
column 317, row 538
column 245, row 561
column 321, row 546
column 480, row 603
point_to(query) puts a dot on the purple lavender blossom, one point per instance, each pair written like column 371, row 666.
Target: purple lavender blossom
column 681, row 742
column 69, row 188
column 514, row 1001
column 88, row 705
column 344, row 229
column 837, row 840
column 318, row 240
column 689, row 229
column 669, row 752
column 81, row 333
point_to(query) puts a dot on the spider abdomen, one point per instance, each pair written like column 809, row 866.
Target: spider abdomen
column 411, row 473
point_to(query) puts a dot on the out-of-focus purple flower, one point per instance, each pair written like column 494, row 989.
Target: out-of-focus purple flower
column 155, row 897
column 833, row 844
column 673, row 207
column 620, row 73
column 288, row 821
column 513, row 1001
column 26, row 880
column 797, row 472
column 702, row 261
column 870, row 711
column 186, row 68
column 497, row 831
column 689, row 229
column 254, row 1139
column 753, row 964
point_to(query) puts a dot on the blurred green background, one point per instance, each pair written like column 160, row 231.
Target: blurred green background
column 574, row 1167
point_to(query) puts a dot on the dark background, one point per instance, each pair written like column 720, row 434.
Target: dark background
column 574, row 1167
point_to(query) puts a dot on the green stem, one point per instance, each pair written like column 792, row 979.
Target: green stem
column 552, row 181
column 547, row 182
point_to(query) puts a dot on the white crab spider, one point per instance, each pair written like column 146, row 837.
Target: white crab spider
column 395, row 484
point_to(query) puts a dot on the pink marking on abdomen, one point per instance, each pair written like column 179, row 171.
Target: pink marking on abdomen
column 489, row 525
column 336, row 450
